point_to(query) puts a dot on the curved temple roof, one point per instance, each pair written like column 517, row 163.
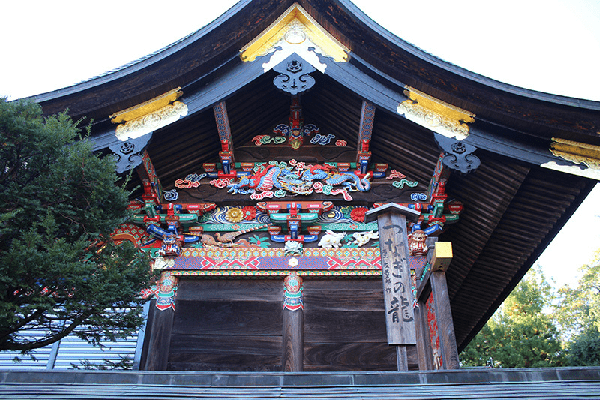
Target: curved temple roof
column 515, row 202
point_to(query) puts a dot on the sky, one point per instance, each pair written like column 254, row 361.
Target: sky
column 551, row 46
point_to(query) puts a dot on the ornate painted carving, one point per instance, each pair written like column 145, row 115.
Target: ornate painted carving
column 171, row 241
column 165, row 291
column 220, row 111
column 293, row 248
column 134, row 234
column 458, row 154
column 400, row 184
column 436, row 115
column 129, row 153
column 295, row 131
column 225, row 239
column 358, row 214
column 367, row 114
column 155, row 184
column 234, row 215
column 259, row 140
column 226, row 153
column 331, row 217
column 292, row 292
column 358, row 262
column 147, row 123
column 434, row 333
column 331, row 240
column 362, row 238
column 416, row 243
column 297, row 180
column 395, row 174
column 246, row 259
column 322, row 139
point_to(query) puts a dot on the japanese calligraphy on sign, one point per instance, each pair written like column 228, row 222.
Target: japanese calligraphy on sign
column 393, row 244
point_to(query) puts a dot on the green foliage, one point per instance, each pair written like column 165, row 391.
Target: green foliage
column 523, row 334
column 578, row 315
column 584, row 349
column 263, row 242
column 58, row 204
column 124, row 363
column 520, row 334
column 579, row 307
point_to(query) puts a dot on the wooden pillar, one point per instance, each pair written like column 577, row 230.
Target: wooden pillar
column 424, row 355
column 434, row 299
column 439, row 291
column 162, row 323
column 393, row 245
column 293, row 324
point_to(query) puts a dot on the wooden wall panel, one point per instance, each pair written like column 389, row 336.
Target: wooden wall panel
column 344, row 326
column 227, row 318
column 227, row 325
column 237, row 325
column 349, row 357
column 225, row 353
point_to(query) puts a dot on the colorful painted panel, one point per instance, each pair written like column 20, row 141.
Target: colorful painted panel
column 292, row 292
column 367, row 114
column 222, row 119
column 433, row 333
column 152, row 176
column 275, row 259
column 164, row 291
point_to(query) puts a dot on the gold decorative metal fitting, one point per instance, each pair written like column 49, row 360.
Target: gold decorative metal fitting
column 150, row 115
column 434, row 114
column 579, row 153
column 146, row 107
column 294, row 27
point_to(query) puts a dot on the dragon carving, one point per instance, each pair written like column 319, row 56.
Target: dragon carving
column 299, row 181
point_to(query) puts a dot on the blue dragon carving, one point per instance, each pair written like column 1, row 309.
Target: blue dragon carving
column 284, row 178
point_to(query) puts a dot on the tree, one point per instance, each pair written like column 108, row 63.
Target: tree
column 520, row 334
column 578, row 314
column 59, row 203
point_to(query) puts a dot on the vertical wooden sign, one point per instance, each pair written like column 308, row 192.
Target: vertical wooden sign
column 393, row 245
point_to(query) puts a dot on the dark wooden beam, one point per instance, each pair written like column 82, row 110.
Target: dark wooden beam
column 424, row 355
column 439, row 291
column 162, row 324
column 160, row 338
column 293, row 325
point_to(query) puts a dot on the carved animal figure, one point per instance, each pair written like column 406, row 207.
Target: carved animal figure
column 416, row 243
column 331, row 240
column 226, row 239
column 270, row 177
column 362, row 238
column 351, row 181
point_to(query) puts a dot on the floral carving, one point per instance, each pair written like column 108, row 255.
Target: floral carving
column 358, row 214
column 249, row 213
column 234, row 215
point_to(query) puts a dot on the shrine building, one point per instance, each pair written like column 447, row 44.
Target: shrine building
column 320, row 195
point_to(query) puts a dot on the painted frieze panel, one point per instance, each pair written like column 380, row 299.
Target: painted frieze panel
column 433, row 332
